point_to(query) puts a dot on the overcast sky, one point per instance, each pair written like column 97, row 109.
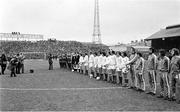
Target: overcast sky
column 120, row 20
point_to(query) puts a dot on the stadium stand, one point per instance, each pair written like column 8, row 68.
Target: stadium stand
column 54, row 47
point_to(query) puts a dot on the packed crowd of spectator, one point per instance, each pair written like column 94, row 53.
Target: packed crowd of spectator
column 54, row 47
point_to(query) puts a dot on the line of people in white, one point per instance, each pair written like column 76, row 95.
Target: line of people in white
column 106, row 66
column 130, row 71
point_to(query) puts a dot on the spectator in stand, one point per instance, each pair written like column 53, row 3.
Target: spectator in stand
column 3, row 63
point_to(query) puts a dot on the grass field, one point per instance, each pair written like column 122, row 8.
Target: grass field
column 62, row 90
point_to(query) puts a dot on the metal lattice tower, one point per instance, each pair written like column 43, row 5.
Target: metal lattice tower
column 96, row 31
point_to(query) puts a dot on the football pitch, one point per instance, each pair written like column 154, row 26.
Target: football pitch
column 63, row 90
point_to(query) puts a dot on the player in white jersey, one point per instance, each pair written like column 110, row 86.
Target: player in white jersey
column 125, row 70
column 81, row 62
column 107, row 65
column 100, row 60
column 104, row 69
column 111, row 66
column 91, row 64
column 86, row 63
column 95, row 64
column 118, row 74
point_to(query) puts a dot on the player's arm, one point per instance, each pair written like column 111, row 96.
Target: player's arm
column 143, row 65
column 107, row 62
column 168, row 62
column 132, row 60
column 116, row 61
column 155, row 62
column 178, row 63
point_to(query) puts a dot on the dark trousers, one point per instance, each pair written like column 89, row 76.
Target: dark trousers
column 18, row 67
column 173, row 84
column 3, row 68
column 22, row 68
column 13, row 71
column 69, row 65
column 132, row 73
column 50, row 66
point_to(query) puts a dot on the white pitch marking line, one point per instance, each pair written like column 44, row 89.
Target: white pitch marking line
column 52, row 89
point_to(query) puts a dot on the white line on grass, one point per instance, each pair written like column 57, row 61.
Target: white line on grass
column 57, row 89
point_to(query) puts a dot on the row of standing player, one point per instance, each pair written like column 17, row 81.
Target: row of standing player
column 114, row 67
column 69, row 61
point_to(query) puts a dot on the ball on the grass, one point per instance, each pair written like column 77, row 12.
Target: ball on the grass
column 97, row 78
column 91, row 76
column 31, row 71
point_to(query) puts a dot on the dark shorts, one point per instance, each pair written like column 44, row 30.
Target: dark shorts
column 111, row 71
column 119, row 73
column 104, row 70
column 100, row 70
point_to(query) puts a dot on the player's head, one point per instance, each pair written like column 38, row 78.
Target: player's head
column 162, row 52
column 104, row 54
column 175, row 52
column 113, row 52
column 120, row 54
column 3, row 55
column 124, row 54
column 117, row 53
column 139, row 54
column 151, row 50
column 109, row 53
column 95, row 54
column 133, row 50
column 99, row 52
